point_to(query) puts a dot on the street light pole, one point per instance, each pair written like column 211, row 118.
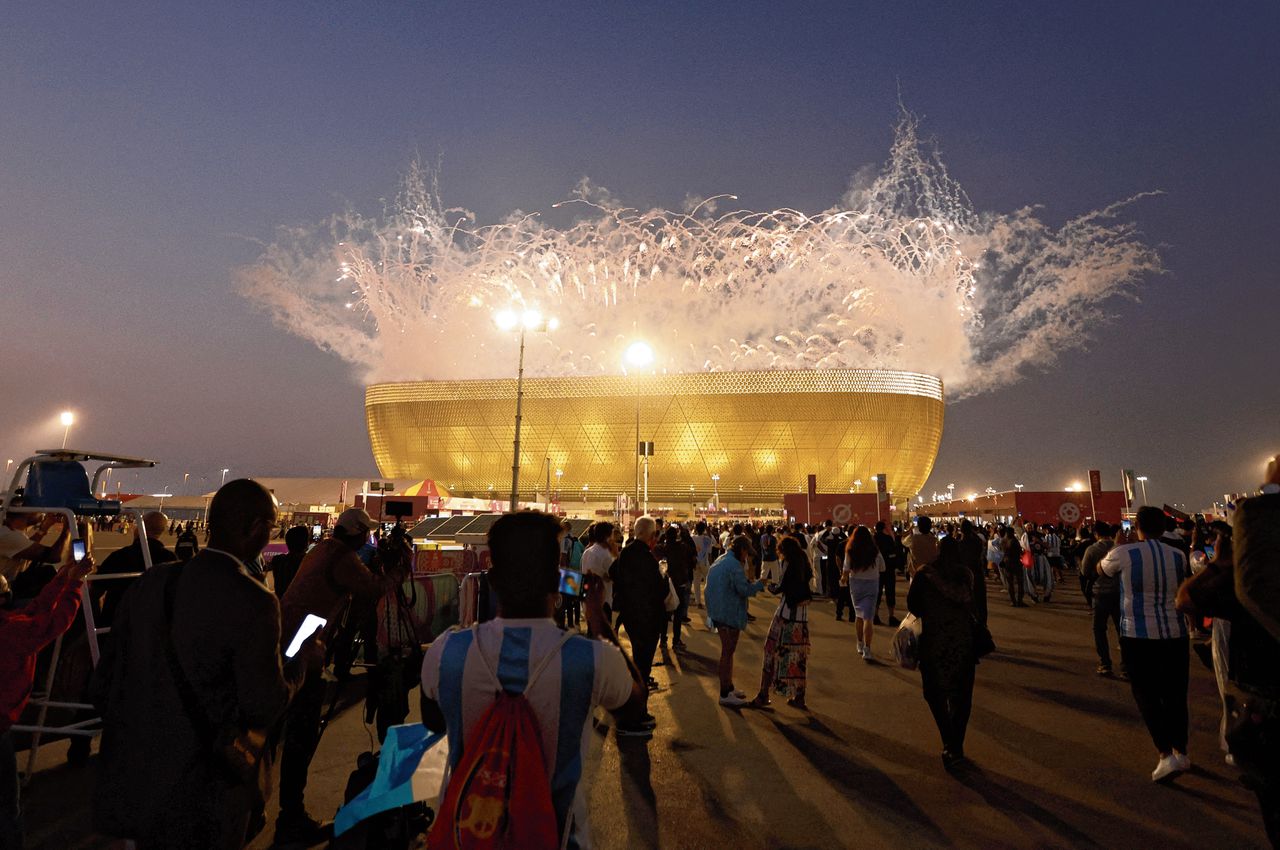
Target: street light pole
column 515, row 450
column 715, row 486
column 1142, row 479
column 67, row 418
column 224, row 477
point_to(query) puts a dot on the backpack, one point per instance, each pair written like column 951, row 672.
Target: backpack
column 499, row 795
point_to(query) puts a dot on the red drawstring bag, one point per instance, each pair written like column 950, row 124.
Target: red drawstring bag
column 1028, row 560
column 499, row 795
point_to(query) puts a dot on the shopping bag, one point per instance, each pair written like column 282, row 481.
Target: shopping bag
column 906, row 642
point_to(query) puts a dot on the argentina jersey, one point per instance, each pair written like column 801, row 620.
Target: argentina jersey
column 587, row 673
column 1150, row 573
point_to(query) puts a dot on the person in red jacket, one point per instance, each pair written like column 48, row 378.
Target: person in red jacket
column 23, row 633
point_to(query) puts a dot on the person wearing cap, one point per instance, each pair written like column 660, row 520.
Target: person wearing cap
column 330, row 576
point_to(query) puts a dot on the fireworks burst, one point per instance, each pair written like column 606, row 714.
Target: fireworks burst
column 904, row 275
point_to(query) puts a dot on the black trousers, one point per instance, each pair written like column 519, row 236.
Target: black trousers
column 1106, row 609
column 843, row 601
column 949, row 693
column 1159, row 671
column 831, row 578
column 1014, row 581
column 301, row 737
column 980, row 593
column 888, row 588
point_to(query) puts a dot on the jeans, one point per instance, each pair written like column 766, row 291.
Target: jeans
column 699, row 578
column 10, row 799
column 1106, row 608
column 676, row 617
column 1159, row 672
column 1015, row 577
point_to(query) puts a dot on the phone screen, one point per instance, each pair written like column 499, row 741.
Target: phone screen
column 78, row 550
column 310, row 626
column 1208, row 551
column 1126, row 525
column 570, row 582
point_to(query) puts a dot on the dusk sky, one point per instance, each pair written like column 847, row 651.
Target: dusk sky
column 147, row 151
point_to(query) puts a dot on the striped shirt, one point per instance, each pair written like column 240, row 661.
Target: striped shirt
column 1149, row 572
column 589, row 673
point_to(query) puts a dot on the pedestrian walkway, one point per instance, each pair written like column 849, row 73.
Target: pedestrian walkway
column 1061, row 757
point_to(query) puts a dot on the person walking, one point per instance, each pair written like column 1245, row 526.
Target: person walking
column 769, row 555
column 1106, row 595
column 922, row 546
column 680, row 557
column 1154, row 644
column 941, row 595
column 973, row 552
column 703, row 543
column 284, row 567
column 569, row 613
column 639, row 594
column 1015, row 574
column 727, row 593
column 863, row 566
column 895, row 558
column 786, row 648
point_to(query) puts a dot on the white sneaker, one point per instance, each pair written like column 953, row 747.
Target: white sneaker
column 732, row 700
column 861, row 649
column 1182, row 761
column 740, row 694
column 1166, row 768
column 1231, row 760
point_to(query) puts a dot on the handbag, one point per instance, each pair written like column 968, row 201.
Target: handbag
column 672, row 601
column 239, row 755
column 906, row 642
column 1028, row 560
column 983, row 643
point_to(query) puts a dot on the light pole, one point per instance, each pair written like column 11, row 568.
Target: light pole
column 1142, row 479
column 559, row 473
column 639, row 355
column 224, row 477
column 67, row 418
column 185, row 476
column 715, row 487
column 530, row 320
column 857, row 485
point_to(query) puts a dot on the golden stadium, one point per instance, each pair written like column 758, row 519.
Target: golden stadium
column 762, row 433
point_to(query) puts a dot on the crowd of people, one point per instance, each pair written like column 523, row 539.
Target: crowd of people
column 198, row 695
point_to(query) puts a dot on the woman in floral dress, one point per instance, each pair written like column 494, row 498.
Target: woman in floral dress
column 786, row 649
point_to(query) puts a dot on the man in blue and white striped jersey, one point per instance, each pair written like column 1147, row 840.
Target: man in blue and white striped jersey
column 1153, row 637
column 564, row 689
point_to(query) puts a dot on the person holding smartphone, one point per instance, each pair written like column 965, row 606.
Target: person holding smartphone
column 20, row 545
column 23, row 634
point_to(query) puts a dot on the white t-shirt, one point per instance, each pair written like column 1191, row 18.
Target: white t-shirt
column 596, row 561
column 867, row 574
column 588, row 673
column 12, row 542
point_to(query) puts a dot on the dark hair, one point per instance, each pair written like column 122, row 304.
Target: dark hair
column 861, row 549
column 924, row 524
column 741, row 545
column 601, row 532
column 949, row 564
column 297, row 538
column 879, row 526
column 794, row 557
column 1151, row 521
column 966, row 528
column 525, row 552
column 1102, row 529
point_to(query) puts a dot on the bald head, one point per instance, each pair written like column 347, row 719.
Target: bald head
column 155, row 523
column 241, row 517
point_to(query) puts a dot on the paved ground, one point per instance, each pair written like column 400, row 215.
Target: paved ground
column 1062, row 759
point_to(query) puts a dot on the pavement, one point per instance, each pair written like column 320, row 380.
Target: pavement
column 1061, row 758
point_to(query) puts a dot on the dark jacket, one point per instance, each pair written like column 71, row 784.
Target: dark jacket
column 156, row 778
column 1104, row 585
column 126, row 560
column 1256, row 537
column 943, row 605
column 1253, row 655
column 639, row 589
column 680, row 561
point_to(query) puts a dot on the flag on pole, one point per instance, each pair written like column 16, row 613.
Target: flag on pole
column 409, row 771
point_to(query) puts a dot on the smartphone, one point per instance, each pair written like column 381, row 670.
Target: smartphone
column 1208, row 551
column 79, row 548
column 570, row 582
column 1127, row 525
column 310, row 626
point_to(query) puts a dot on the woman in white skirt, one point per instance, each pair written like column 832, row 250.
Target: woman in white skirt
column 863, row 565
